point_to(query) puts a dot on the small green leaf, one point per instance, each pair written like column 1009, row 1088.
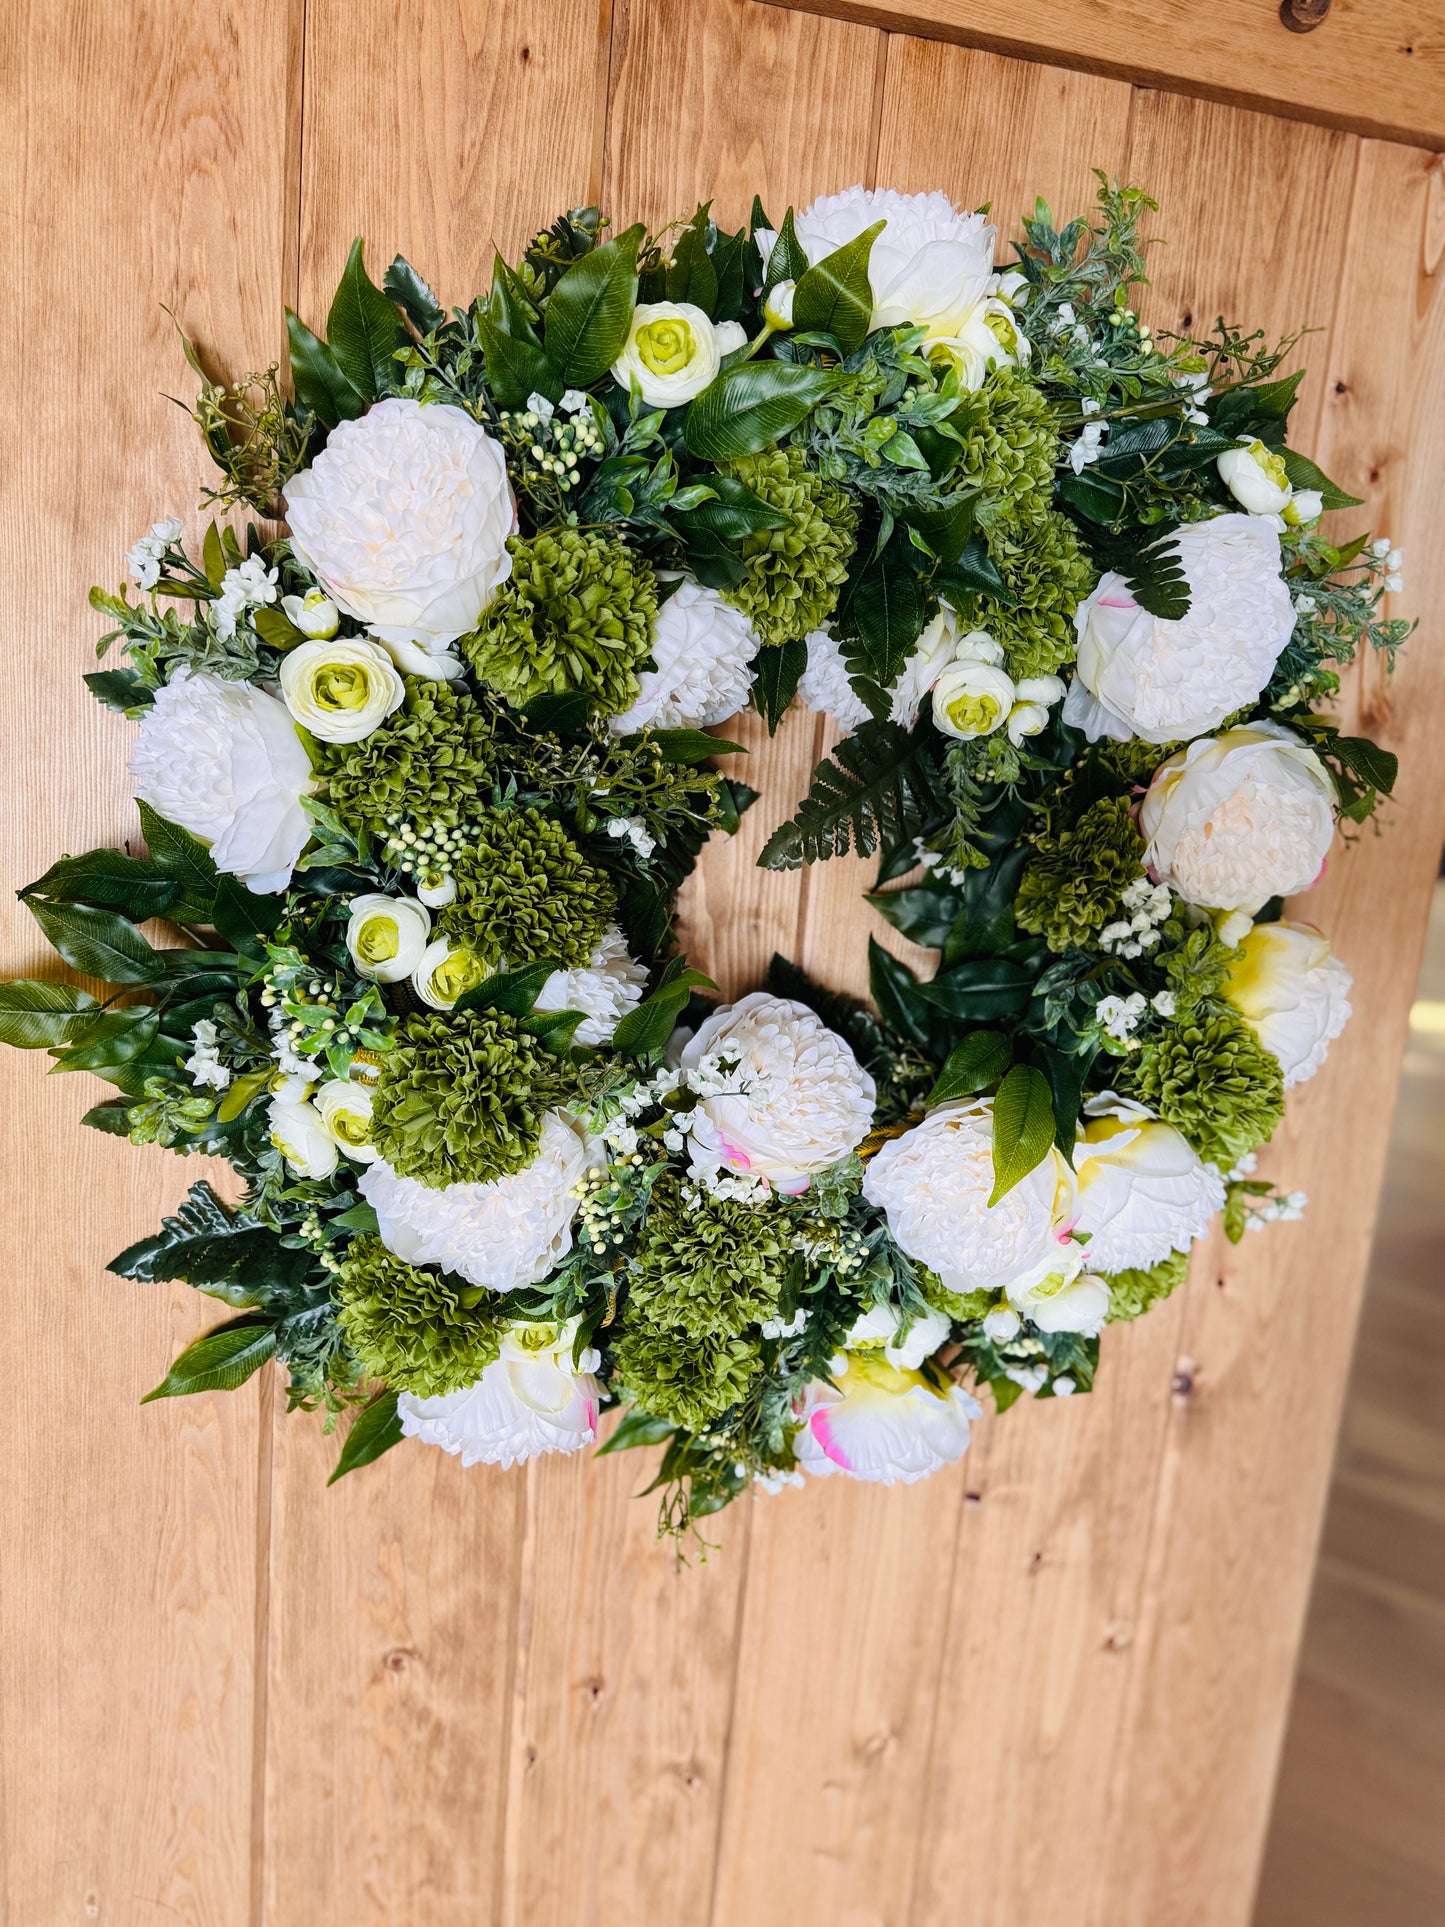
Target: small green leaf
column 778, row 670
column 636, row 1428
column 512, row 991
column 558, row 712
column 973, row 571
column 692, row 276
column 244, row 918
column 182, row 856
column 1094, row 495
column 376, row 1428
column 947, row 530
column 748, row 407
column 113, row 1119
column 213, row 557
column 589, row 312
column 1023, row 1128
column 318, row 378
column 1377, row 767
column 99, row 943
column 275, row 627
column 361, row 1219
column 834, row 297
column 1303, row 473
column 363, row 331
column 734, row 513
column 980, row 1060
column 242, row 1091
column 220, row 1362
column 119, row 689
column 685, row 748
column 787, row 262
column 402, row 284
column 40, row 1016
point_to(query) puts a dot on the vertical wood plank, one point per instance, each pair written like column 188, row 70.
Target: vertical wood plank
column 147, row 156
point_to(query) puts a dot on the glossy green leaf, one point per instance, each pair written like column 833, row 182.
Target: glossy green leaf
column 512, row 991
column 787, row 262
column 834, row 297
column 213, row 556
column 220, row 1362
column 375, row 1429
column 982, row 988
column 1023, row 1128
column 516, row 368
column 686, row 748
column 734, row 513
column 109, row 1039
column 406, row 288
column 275, row 627
column 882, row 609
column 245, row 918
column 646, row 1029
column 973, row 572
column 777, row 671
column 1303, row 473
column 363, row 330
column 110, row 880
column 980, row 1060
column 119, row 689
column 589, row 312
column 40, row 1016
column 318, row 378
column 691, row 275
column 748, row 407
column 98, row 943
column 182, row 856
column 636, row 1428
column 924, row 913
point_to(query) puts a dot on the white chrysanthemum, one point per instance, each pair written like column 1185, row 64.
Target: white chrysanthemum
column 1143, row 1191
column 1237, row 819
column 1140, row 675
column 223, row 760
column 797, row 1101
column 531, row 1399
column 933, row 1185
column 876, row 1422
column 1293, row 992
column 503, row 1235
column 824, row 686
column 404, row 518
column 877, row 1331
column 610, row 986
column 703, row 649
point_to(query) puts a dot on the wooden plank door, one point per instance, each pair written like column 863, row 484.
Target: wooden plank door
column 1043, row 1689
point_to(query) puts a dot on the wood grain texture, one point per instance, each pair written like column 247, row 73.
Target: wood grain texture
column 1374, row 67
column 147, row 156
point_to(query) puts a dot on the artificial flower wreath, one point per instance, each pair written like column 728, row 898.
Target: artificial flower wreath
column 419, row 780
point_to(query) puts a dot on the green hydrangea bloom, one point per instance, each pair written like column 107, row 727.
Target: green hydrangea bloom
column 714, row 1267
column 422, row 1331
column 461, row 1098
column 1047, row 575
column 683, row 1381
column 1134, row 762
column 1132, row 1293
column 1213, row 1081
column 575, row 613
column 1010, row 447
column 1073, row 879
column 428, row 761
column 794, row 574
column 524, row 891
column 962, row 1305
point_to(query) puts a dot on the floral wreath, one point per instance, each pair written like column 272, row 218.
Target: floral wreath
column 418, row 783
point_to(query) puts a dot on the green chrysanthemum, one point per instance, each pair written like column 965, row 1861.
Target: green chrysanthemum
column 1073, row 880
column 421, row 1331
column 1132, row 1293
column 712, row 1268
column 1047, row 576
column 428, row 762
column 1011, row 443
column 681, row 1380
column 524, row 891
column 461, row 1099
column 794, row 574
column 1215, row 1082
column 575, row 613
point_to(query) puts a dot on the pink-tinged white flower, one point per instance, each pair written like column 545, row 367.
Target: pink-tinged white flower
column 703, row 651
column 1293, row 992
column 1237, row 819
column 223, row 760
column 876, row 1422
column 933, row 1185
column 1143, row 1191
column 1139, row 675
column 530, row 1400
column 609, row 986
column 788, row 1098
column 502, row 1235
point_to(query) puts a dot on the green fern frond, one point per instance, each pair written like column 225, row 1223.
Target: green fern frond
column 880, row 785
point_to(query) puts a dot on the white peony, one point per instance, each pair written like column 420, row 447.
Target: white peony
column 876, row 1422
column 502, row 1235
column 796, row 1100
column 672, row 353
column 531, row 1399
column 1293, row 992
column 299, row 1133
column 610, row 986
column 824, row 686
column 1140, row 675
column 223, row 760
column 1256, row 478
column 341, row 689
column 1143, row 1191
column 344, row 1107
column 703, row 650
column 386, row 936
column 1237, row 819
column 1058, row 1295
column 878, row 1332
column 933, row 1185
column 404, row 518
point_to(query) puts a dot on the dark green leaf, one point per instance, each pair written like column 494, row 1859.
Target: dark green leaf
column 1276, row 397
column 1023, row 1128
column 113, row 1119
column 972, row 572
column 516, row 368
column 980, row 1060
column 40, row 1016
column 363, row 331
column 110, row 880
column 1374, row 766
column 882, row 608
column 686, row 748
column 184, row 857
column 787, row 262
column 925, row 913
column 407, row 289
column 1303, row 474
column 119, row 689
column 982, row 988
column 646, row 1029
column 317, row 377
column 834, row 297
column 692, row 276
column 361, row 1219
column 748, row 407
column 899, row 996
column 217, row 1251
column 879, row 786
column 734, row 513
column 589, row 312
column 512, row 991
column 220, row 1362
column 1066, row 1072
column 244, row 918
column 98, row 943
column 375, row 1430
column 558, row 712
column 948, row 530
column 110, row 1039
column 636, row 1428
column 985, row 925
column 1094, row 495
column 778, row 669
column 554, row 1028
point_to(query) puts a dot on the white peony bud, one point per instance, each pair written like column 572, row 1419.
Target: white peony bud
column 671, row 355
column 341, row 689
column 702, row 651
column 1143, row 1191
column 445, row 971
column 345, row 1110
column 385, row 936
column 1058, row 1295
column 1034, row 697
column 1255, row 476
column 314, row 614
column 531, row 1399
column 1306, row 505
column 1002, row 1324
column 436, row 892
column 730, row 336
column 1293, row 992
column 299, row 1133
column 778, row 305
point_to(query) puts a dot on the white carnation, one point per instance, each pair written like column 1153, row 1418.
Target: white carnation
column 703, row 650
column 610, row 986
column 1237, row 819
column 1293, row 992
column 223, row 760
column 502, row 1235
column 933, row 1185
column 404, row 518
column 1143, row 1191
column 825, row 688
column 795, row 1098
column 876, row 1422
column 1142, row 676
column 531, row 1399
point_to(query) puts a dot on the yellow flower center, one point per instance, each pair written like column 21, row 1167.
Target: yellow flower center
column 666, row 346
column 351, row 1127
column 976, row 713
column 378, row 939
column 1272, row 464
column 340, row 686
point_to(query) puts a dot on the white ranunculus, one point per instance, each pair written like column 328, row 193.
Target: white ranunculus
column 299, row 1133
column 609, row 986
column 1237, row 819
column 223, row 760
column 1293, row 992
column 1256, row 477
column 703, row 650
column 1034, row 697
column 345, row 1109
column 1058, row 1295
column 314, row 614
column 876, row 1422
column 1143, row 1191
column 502, row 1235
column 971, row 695
column 877, row 1332
column 1002, row 1324
column 385, row 936
column 341, row 689
column 531, row 1399
column 797, row 1101
column 672, row 353
column 404, row 518
column 1142, row 675
column 933, row 1185
column 444, row 971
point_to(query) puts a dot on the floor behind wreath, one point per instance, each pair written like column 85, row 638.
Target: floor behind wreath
column 1358, row 1834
